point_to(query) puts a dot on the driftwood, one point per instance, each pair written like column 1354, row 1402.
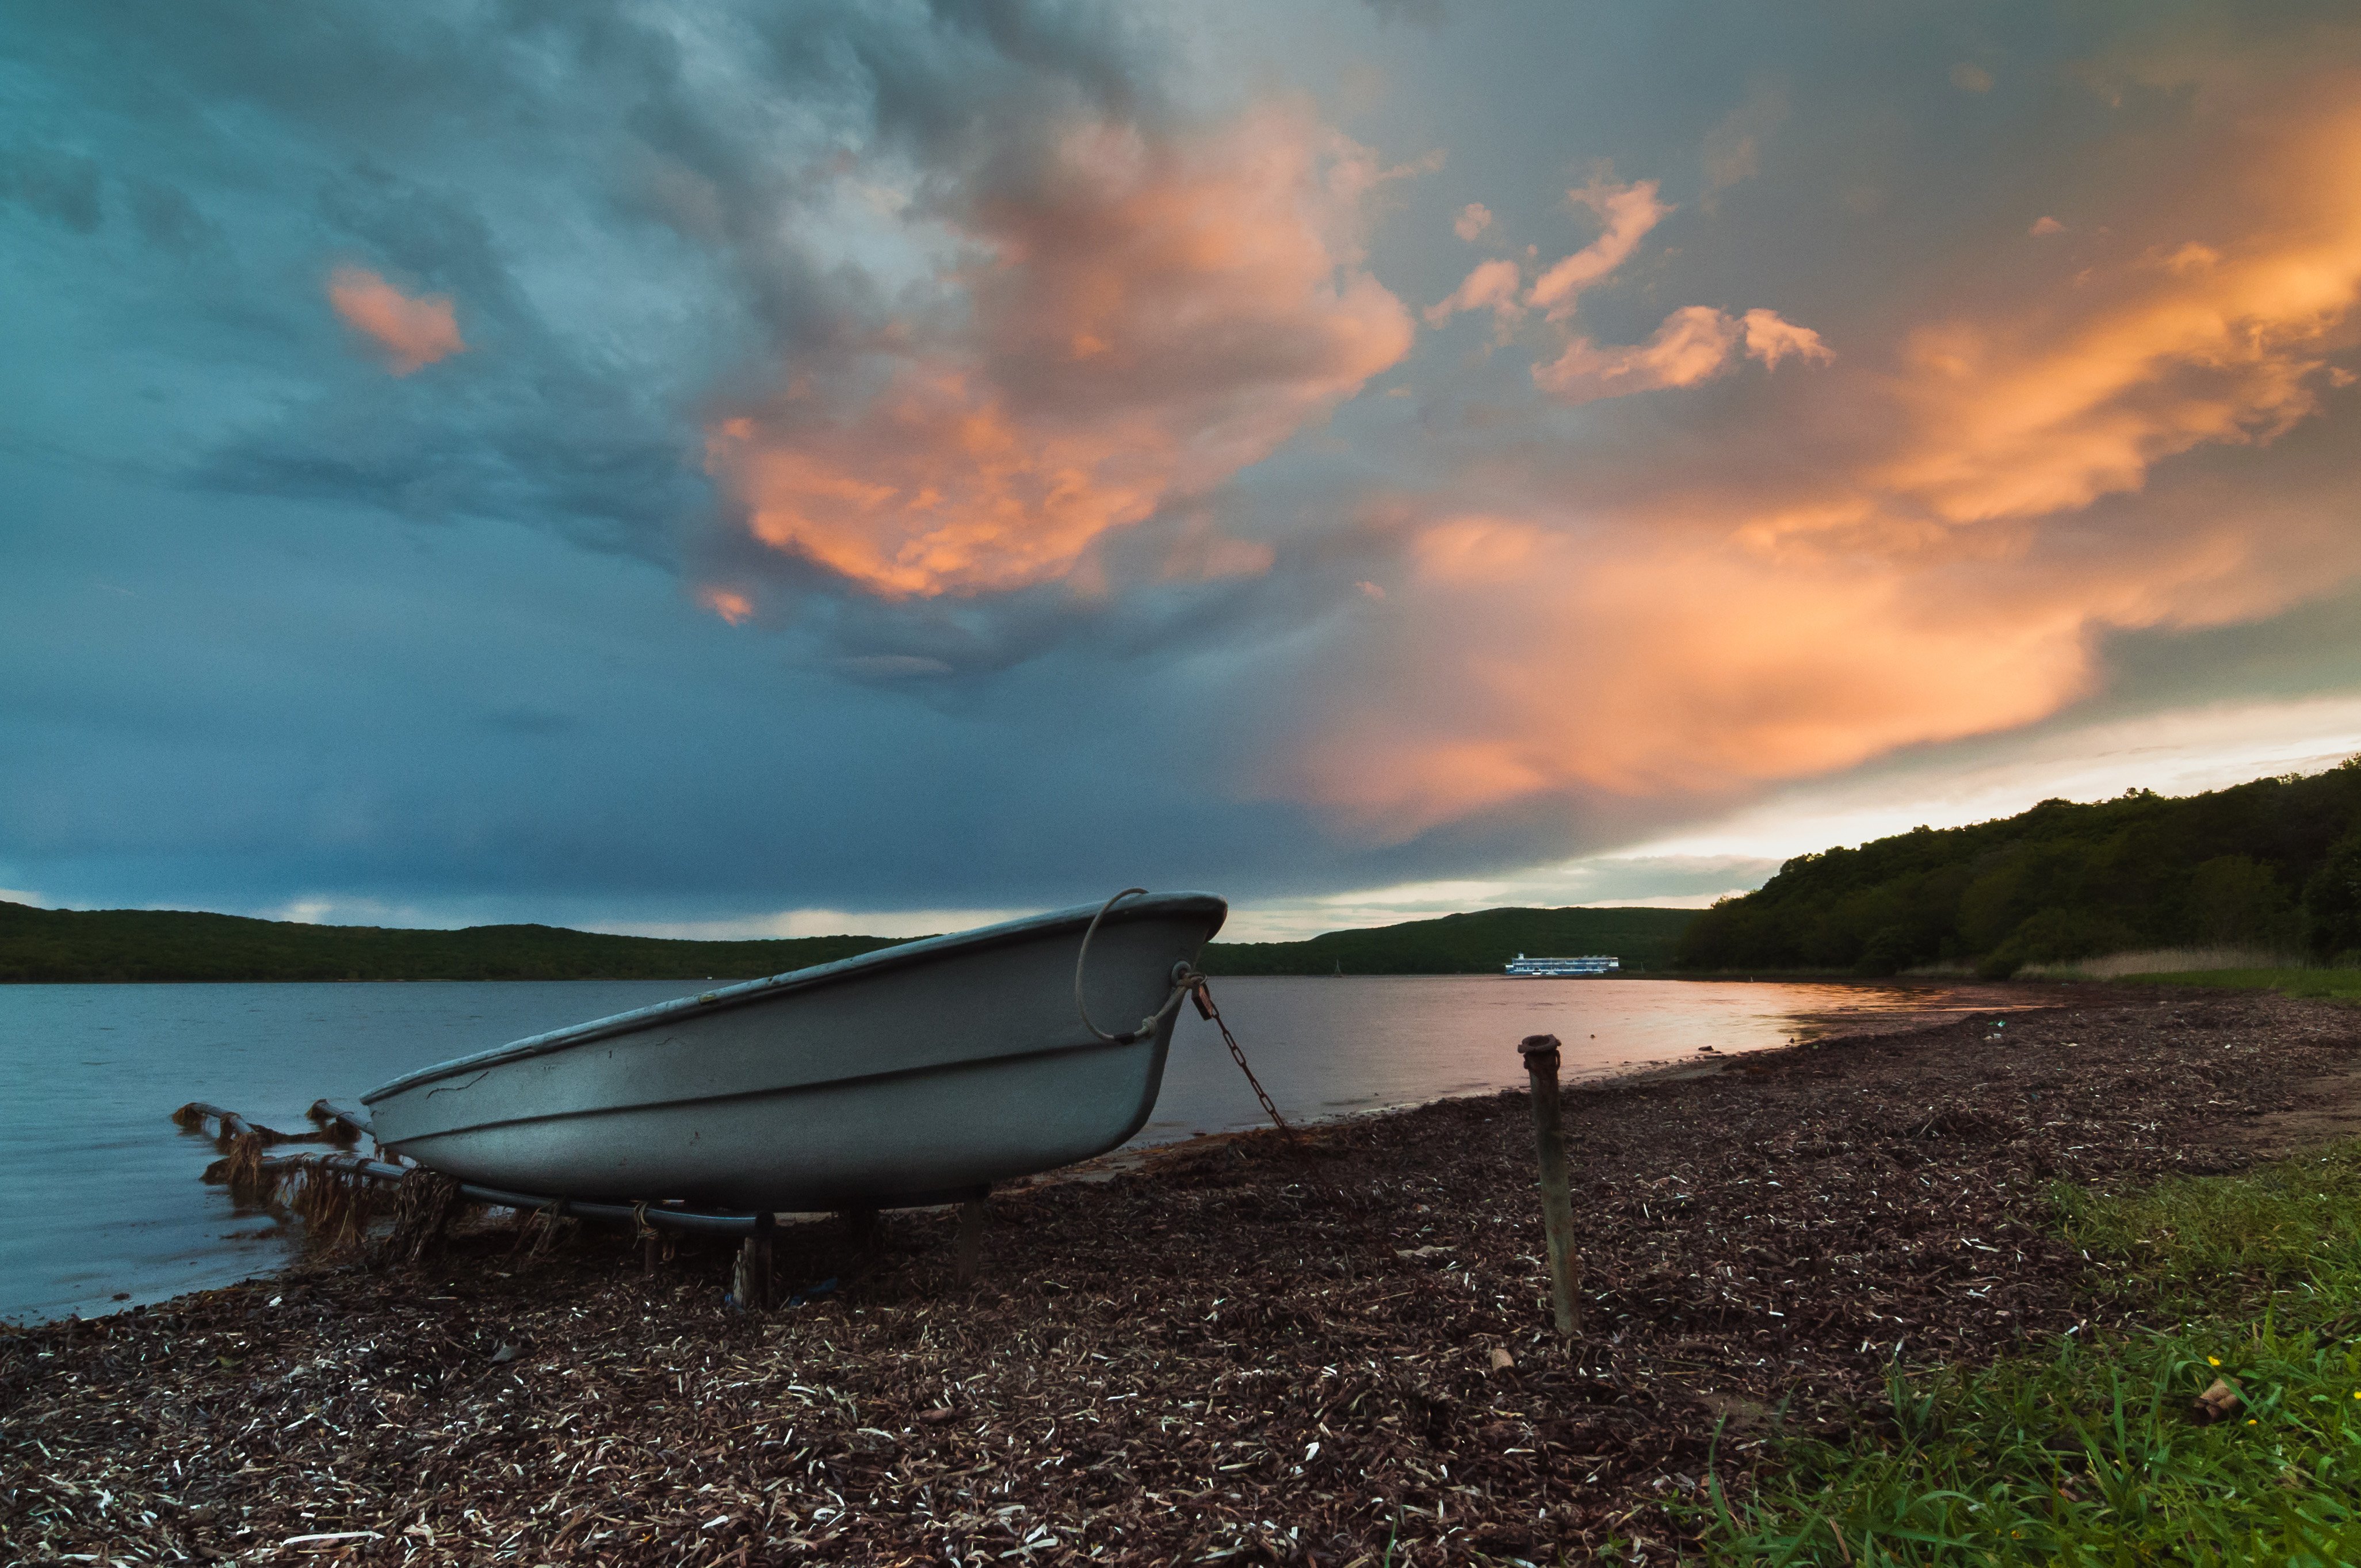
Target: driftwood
column 242, row 1143
column 330, row 1124
column 229, row 1126
column 336, row 1124
column 335, row 1195
column 424, row 1203
column 339, row 1195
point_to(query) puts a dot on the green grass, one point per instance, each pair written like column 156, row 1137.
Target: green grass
column 2089, row 1453
column 2330, row 984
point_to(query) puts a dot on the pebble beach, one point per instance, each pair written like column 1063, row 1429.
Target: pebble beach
column 1243, row 1349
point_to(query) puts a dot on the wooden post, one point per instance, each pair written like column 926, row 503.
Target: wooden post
column 753, row 1281
column 971, row 1239
column 1541, row 1053
column 861, row 1232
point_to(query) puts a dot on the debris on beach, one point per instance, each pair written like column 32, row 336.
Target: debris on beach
column 2218, row 1403
column 1226, row 1352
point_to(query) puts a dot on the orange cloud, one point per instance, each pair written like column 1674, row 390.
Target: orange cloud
column 730, row 604
column 1144, row 318
column 1770, row 338
column 413, row 332
column 1899, row 554
column 2019, row 417
column 1667, row 668
column 1473, row 220
column 1492, row 285
column 1629, row 211
column 1529, row 659
column 1689, row 347
column 1692, row 345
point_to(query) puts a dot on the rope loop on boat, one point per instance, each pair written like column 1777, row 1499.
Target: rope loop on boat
column 1189, row 981
column 1084, row 956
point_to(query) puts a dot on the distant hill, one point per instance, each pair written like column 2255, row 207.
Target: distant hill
column 1479, row 943
column 2273, row 864
column 170, row 945
column 166, row 945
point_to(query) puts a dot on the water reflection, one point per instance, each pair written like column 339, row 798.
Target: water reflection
column 106, row 1195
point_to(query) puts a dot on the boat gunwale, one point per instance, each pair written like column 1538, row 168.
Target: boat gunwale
column 809, row 1200
column 779, row 1090
column 902, row 954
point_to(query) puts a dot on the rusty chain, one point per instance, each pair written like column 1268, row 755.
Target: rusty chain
column 1202, row 996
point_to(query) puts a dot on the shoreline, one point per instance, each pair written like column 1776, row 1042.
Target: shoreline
column 215, row 1244
column 1709, row 977
column 1158, row 1361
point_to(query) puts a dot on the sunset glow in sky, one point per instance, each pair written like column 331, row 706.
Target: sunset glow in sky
column 787, row 468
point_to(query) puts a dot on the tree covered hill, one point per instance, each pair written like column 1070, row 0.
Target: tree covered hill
column 1477, row 943
column 2275, row 864
column 170, row 945
column 167, row 945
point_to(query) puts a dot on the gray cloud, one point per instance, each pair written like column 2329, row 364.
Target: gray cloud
column 61, row 186
column 1424, row 13
column 167, row 219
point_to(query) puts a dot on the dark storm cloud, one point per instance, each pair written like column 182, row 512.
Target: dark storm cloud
column 167, row 219
column 58, row 185
column 534, row 163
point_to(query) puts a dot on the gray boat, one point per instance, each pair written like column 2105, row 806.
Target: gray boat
column 921, row 1073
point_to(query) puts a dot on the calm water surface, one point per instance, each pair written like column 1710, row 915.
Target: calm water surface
column 105, row 1191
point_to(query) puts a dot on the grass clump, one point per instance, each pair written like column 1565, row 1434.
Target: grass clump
column 2321, row 984
column 2162, row 960
column 2094, row 1452
column 2227, row 1245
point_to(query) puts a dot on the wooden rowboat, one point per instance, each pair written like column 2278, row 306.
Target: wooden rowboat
column 921, row 1073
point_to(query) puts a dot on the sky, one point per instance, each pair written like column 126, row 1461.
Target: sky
column 780, row 469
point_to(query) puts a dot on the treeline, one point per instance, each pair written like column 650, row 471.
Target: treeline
column 2273, row 864
column 114, row 945
column 1477, row 943
column 107, row 944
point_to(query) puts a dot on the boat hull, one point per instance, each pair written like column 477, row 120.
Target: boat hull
column 912, row 1075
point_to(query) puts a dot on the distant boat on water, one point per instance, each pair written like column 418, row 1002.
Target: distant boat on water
column 921, row 1073
column 1556, row 969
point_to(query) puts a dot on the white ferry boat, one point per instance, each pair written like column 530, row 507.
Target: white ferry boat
column 1556, row 969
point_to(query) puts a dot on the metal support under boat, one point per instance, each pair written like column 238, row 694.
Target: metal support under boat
column 656, row 1216
column 752, row 1272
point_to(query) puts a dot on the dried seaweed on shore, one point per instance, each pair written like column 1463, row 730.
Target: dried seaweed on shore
column 1226, row 1354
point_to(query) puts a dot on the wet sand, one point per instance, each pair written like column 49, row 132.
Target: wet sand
column 1225, row 1350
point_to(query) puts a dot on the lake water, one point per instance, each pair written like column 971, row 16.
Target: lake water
column 104, row 1195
